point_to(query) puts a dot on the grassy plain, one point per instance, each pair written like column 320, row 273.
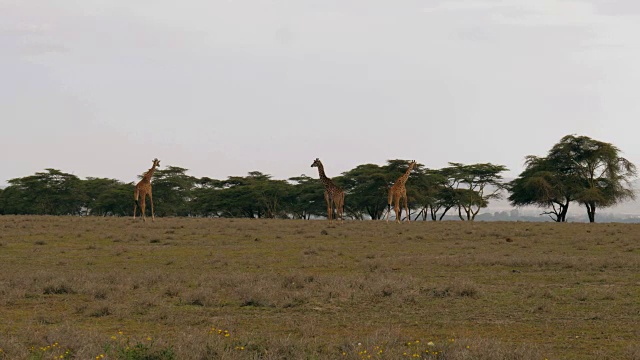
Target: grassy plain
column 289, row 289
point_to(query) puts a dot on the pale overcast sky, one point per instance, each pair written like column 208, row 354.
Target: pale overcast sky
column 101, row 87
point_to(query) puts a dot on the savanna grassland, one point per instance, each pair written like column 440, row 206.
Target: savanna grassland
column 181, row 288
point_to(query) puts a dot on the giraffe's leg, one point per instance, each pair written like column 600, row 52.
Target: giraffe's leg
column 396, row 207
column 143, row 206
column 136, row 195
column 389, row 200
column 153, row 218
column 339, row 203
column 329, row 209
column 406, row 206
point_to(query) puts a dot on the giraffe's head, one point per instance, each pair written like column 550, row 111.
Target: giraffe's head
column 156, row 162
column 316, row 163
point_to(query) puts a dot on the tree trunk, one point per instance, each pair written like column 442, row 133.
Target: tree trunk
column 563, row 212
column 474, row 213
column 434, row 214
column 591, row 211
column 466, row 211
column 445, row 212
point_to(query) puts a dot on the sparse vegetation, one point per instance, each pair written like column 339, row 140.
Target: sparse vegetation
column 430, row 290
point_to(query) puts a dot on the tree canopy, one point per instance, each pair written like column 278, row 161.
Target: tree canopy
column 576, row 169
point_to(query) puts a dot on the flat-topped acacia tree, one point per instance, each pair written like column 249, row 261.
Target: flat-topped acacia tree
column 577, row 168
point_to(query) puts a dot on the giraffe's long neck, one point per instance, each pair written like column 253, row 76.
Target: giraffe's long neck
column 149, row 173
column 403, row 178
column 323, row 177
column 321, row 173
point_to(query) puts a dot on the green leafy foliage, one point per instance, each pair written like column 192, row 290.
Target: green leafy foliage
column 172, row 191
column 104, row 197
column 579, row 169
column 44, row 193
column 366, row 191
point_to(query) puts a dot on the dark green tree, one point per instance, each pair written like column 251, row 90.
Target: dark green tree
column 545, row 185
column 44, row 193
column 172, row 191
column 474, row 186
column 253, row 196
column 104, row 197
column 579, row 169
column 366, row 186
column 205, row 197
column 236, row 198
column 598, row 176
column 306, row 197
column 435, row 194
column 273, row 196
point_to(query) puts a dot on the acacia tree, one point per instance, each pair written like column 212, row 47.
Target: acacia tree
column 475, row 185
column 595, row 171
column 253, row 196
column 104, row 197
column 366, row 186
column 172, row 189
column 236, row 198
column 272, row 195
column 45, row 193
column 545, row 185
column 439, row 193
column 204, row 197
column 306, row 198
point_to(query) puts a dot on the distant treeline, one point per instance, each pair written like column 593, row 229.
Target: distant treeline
column 432, row 193
column 577, row 169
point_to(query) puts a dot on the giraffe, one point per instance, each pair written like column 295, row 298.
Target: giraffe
column 398, row 192
column 143, row 188
column 332, row 193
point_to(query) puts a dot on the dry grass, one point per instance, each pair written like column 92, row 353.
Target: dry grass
column 284, row 289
